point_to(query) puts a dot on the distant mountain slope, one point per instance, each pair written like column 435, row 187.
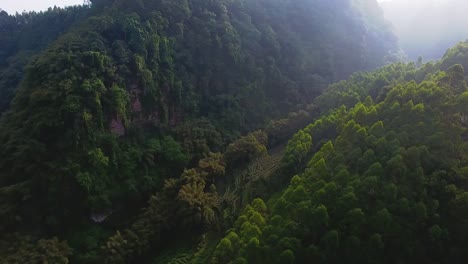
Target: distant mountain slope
column 381, row 177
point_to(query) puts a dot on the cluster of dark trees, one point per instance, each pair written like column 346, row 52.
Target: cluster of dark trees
column 22, row 36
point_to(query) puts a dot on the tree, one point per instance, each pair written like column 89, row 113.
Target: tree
column 245, row 149
column 27, row 250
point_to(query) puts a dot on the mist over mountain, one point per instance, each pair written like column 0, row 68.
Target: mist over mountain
column 427, row 28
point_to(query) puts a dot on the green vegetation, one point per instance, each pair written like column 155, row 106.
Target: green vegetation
column 22, row 36
column 379, row 179
column 141, row 124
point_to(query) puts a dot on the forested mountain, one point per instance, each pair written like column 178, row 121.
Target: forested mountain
column 380, row 177
column 24, row 35
column 123, row 142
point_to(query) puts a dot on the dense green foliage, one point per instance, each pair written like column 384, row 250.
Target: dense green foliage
column 24, row 35
column 380, row 179
column 456, row 54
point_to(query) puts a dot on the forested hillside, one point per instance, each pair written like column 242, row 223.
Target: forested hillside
column 140, row 132
column 380, row 177
column 24, row 35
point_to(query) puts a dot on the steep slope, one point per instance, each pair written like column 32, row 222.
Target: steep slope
column 112, row 112
column 379, row 178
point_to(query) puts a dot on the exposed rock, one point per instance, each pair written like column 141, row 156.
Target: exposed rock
column 117, row 127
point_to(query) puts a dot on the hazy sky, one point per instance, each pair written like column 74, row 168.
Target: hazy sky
column 13, row 6
column 427, row 28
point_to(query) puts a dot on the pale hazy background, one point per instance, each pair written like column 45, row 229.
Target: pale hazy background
column 13, row 6
column 427, row 28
